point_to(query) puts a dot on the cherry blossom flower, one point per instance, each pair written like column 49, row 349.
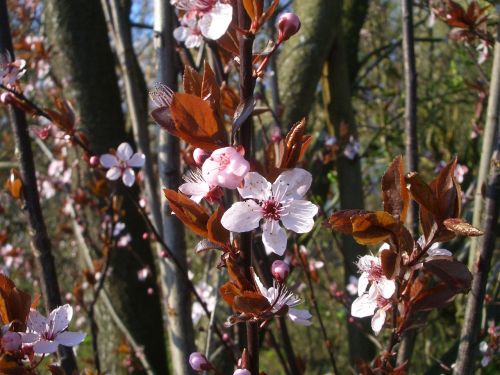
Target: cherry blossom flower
column 197, row 188
column 281, row 298
column 226, row 167
column 199, row 362
column 242, row 371
column 372, row 303
column 11, row 70
column 47, row 333
column 371, row 272
column 352, row 286
column 202, row 18
column 10, row 341
column 121, row 164
column 280, row 201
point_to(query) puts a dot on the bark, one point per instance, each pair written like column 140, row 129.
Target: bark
column 41, row 244
column 135, row 93
column 340, row 112
column 302, row 57
column 490, row 128
column 469, row 337
column 174, row 284
column 355, row 12
column 411, row 141
column 82, row 54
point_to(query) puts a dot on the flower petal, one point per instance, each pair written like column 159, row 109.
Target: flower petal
column 378, row 321
column 29, row 337
column 60, row 318
column 363, row 306
column 193, row 41
column 45, row 347
column 215, row 23
column 137, row 160
column 128, row 177
column 181, row 33
column 37, row 322
column 256, row 187
column 108, row 160
column 362, row 283
column 196, row 190
column 292, row 183
column 300, row 316
column 298, row 216
column 242, row 217
column 70, row 338
column 124, row 151
column 439, row 252
column 113, row 174
column 274, row 237
column 386, row 287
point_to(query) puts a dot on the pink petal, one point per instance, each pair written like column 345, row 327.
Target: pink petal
column 256, row 187
column 274, row 237
column 113, row 174
column 292, row 183
column 45, row 347
column 242, row 217
column 37, row 322
column 70, row 338
column 215, row 23
column 108, row 160
column 60, row 318
column 124, row 151
column 197, row 191
column 298, row 216
column 128, row 177
column 137, row 160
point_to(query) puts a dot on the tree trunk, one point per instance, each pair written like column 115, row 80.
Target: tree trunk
column 302, row 57
column 338, row 94
column 81, row 50
column 174, row 286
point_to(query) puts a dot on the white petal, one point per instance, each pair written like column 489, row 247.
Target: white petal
column 362, row 283
column 301, row 317
column 439, row 252
column 378, row 321
column 195, row 190
column 108, row 160
column 292, row 183
column 124, row 151
column 181, row 33
column 193, row 41
column 262, row 289
column 137, row 160
column 384, row 246
column 45, row 347
column 29, row 337
column 386, row 287
column 363, row 306
column 70, row 338
column 60, row 318
column 128, row 177
column 256, row 187
column 298, row 216
column 37, row 322
column 215, row 23
column 274, row 237
column 242, row 217
column 113, row 174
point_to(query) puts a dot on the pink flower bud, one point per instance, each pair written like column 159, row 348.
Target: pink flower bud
column 199, row 362
column 11, row 341
column 242, row 371
column 6, row 98
column 226, row 337
column 226, row 167
column 145, row 236
column 280, row 270
column 94, row 161
column 200, row 156
column 288, row 25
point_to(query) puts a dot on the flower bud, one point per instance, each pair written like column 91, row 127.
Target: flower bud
column 199, row 362
column 11, row 341
column 94, row 161
column 288, row 25
column 280, row 270
column 241, row 371
column 6, row 98
column 145, row 236
column 200, row 156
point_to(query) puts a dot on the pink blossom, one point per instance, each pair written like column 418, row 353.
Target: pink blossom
column 280, row 270
column 11, row 70
column 197, row 188
column 288, row 25
column 121, row 164
column 10, row 341
column 48, row 333
column 199, row 362
column 372, row 303
column 273, row 203
column 371, row 272
column 241, row 371
column 225, row 167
